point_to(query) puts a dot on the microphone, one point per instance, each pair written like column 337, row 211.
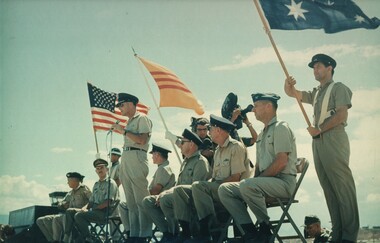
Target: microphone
column 117, row 122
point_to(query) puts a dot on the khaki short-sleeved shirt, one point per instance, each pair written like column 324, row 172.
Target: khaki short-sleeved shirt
column 114, row 171
column 340, row 96
column 194, row 168
column 138, row 124
column 229, row 159
column 78, row 197
column 163, row 176
column 276, row 138
column 100, row 192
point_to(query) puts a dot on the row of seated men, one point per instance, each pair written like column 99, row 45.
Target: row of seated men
column 200, row 188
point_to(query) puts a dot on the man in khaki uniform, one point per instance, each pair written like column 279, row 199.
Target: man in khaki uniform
column 134, row 165
column 331, row 147
column 231, row 164
column 163, row 179
column 105, row 192
column 195, row 167
column 53, row 225
column 275, row 173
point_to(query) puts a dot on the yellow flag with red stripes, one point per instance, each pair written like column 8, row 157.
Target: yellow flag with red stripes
column 173, row 92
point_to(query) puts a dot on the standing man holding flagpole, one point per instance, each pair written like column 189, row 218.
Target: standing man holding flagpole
column 331, row 147
column 134, row 165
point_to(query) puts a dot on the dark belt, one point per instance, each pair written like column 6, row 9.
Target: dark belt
column 132, row 148
column 318, row 136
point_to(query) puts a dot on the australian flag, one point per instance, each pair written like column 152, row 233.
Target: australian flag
column 331, row 15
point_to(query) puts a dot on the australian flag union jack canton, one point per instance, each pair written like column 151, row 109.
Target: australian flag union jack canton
column 331, row 15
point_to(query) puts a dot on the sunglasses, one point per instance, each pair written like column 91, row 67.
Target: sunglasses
column 185, row 141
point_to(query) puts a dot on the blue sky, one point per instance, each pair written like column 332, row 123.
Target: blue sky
column 50, row 49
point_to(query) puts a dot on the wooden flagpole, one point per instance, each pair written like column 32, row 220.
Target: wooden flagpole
column 96, row 143
column 267, row 30
column 157, row 107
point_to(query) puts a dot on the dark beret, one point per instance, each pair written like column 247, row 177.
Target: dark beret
column 98, row 162
column 311, row 220
column 115, row 151
column 124, row 97
column 75, row 175
column 160, row 148
column 221, row 122
column 326, row 60
column 192, row 137
column 265, row 96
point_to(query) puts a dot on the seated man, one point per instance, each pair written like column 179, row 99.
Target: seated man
column 195, row 167
column 163, row 179
column 104, row 192
column 275, row 174
column 231, row 164
column 52, row 225
column 313, row 230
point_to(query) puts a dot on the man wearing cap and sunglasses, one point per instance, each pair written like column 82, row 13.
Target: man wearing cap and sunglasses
column 134, row 165
column 331, row 148
column 275, row 172
column 52, row 226
column 169, row 205
column 231, row 164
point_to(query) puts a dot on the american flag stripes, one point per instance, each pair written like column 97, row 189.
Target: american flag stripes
column 103, row 109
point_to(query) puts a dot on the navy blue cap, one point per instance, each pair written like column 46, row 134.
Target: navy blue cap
column 124, row 97
column 115, row 151
column 221, row 122
column 311, row 219
column 192, row 137
column 160, row 148
column 265, row 96
column 75, row 175
column 323, row 58
column 98, row 162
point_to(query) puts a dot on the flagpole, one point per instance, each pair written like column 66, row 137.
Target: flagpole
column 157, row 107
column 267, row 31
column 96, row 143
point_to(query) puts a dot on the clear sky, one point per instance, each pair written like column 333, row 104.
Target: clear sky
column 50, row 49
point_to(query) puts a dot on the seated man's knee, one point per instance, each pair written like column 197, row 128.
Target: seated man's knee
column 245, row 186
column 147, row 202
column 165, row 200
column 40, row 221
column 223, row 191
column 79, row 216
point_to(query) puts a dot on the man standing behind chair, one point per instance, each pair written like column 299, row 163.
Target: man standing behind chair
column 331, row 147
column 231, row 164
column 104, row 193
column 134, row 165
column 275, row 172
column 53, row 225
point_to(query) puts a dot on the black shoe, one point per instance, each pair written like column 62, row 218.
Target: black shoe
column 178, row 239
column 167, row 237
column 200, row 239
column 263, row 234
column 140, row 240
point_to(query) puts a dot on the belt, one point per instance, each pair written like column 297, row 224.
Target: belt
column 132, row 148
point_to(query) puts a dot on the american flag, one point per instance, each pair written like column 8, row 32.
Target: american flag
column 103, row 109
